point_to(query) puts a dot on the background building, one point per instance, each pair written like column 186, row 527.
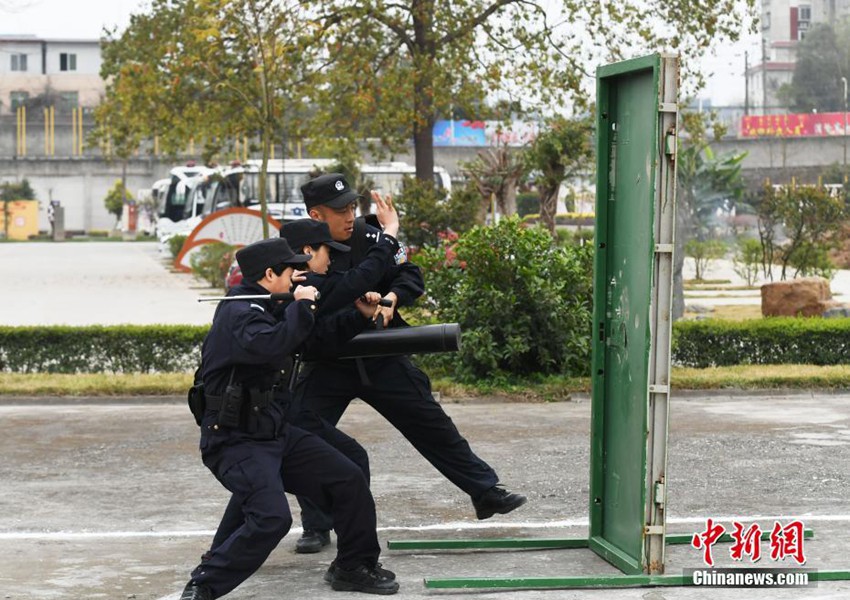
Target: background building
column 783, row 24
column 49, row 72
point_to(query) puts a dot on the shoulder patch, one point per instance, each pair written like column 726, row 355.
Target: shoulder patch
column 258, row 307
column 401, row 256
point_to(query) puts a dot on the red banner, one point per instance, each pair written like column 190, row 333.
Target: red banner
column 794, row 125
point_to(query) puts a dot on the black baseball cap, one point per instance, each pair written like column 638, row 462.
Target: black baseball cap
column 255, row 258
column 330, row 189
column 309, row 232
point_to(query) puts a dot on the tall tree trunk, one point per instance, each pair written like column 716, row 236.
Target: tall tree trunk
column 548, row 207
column 423, row 89
column 423, row 148
column 264, row 169
column 507, row 199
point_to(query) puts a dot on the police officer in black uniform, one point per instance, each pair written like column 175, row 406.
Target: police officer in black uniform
column 252, row 450
column 393, row 386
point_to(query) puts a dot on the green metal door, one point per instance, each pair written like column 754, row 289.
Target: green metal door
column 633, row 156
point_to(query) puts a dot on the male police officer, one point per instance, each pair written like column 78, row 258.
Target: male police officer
column 252, row 450
column 313, row 239
column 393, row 386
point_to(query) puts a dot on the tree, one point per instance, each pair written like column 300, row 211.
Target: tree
column 811, row 218
column 703, row 254
column 562, row 151
column 116, row 198
column 823, row 58
column 496, row 173
column 402, row 65
column 213, row 69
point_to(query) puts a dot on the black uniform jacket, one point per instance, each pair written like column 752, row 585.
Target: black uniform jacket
column 258, row 338
column 350, row 276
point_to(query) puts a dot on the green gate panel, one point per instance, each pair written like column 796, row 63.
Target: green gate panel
column 630, row 162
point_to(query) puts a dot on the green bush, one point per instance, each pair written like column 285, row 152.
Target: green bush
column 101, row 349
column 772, row 341
column 527, row 203
column 175, row 244
column 810, row 259
column 426, row 213
column 699, row 344
column 212, row 262
column 523, row 303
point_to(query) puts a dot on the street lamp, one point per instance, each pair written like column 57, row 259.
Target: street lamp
column 844, row 81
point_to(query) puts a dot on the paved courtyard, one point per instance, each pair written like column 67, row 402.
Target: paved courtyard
column 110, row 500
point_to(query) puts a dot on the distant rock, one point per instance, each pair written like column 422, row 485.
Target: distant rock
column 837, row 312
column 807, row 297
column 698, row 309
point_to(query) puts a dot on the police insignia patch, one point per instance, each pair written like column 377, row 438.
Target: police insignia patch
column 401, row 255
column 258, row 307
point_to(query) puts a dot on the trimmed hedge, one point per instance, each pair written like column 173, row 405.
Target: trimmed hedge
column 771, row 341
column 177, row 348
column 101, row 349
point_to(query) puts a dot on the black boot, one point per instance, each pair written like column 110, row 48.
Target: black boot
column 196, row 592
column 497, row 500
column 366, row 579
column 329, row 574
column 312, row 541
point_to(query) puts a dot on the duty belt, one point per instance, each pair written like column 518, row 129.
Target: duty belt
column 258, row 399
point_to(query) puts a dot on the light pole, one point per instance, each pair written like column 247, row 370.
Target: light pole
column 844, row 81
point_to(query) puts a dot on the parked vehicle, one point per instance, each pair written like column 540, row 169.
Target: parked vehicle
column 175, row 197
column 286, row 176
column 208, row 191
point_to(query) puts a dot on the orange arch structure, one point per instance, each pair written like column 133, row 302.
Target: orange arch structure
column 234, row 226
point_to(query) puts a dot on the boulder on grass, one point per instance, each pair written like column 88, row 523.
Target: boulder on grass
column 806, row 297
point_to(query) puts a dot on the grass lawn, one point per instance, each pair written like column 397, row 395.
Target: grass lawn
column 750, row 377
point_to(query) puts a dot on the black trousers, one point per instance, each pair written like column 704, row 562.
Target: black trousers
column 401, row 393
column 233, row 517
column 259, row 473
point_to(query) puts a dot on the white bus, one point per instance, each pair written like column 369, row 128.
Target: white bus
column 286, row 176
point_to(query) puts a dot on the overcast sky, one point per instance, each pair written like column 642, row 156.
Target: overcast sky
column 85, row 19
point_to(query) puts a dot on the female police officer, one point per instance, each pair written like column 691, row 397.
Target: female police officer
column 252, row 451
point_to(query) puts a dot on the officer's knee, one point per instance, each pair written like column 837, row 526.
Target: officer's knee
column 273, row 521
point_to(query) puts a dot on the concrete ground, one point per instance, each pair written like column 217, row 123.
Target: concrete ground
column 108, row 499
column 96, row 283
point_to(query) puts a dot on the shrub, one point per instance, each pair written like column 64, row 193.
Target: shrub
column 523, row 303
column 527, row 203
column 426, row 212
column 773, row 341
column 811, row 259
column 212, row 261
column 175, row 244
column 101, row 349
